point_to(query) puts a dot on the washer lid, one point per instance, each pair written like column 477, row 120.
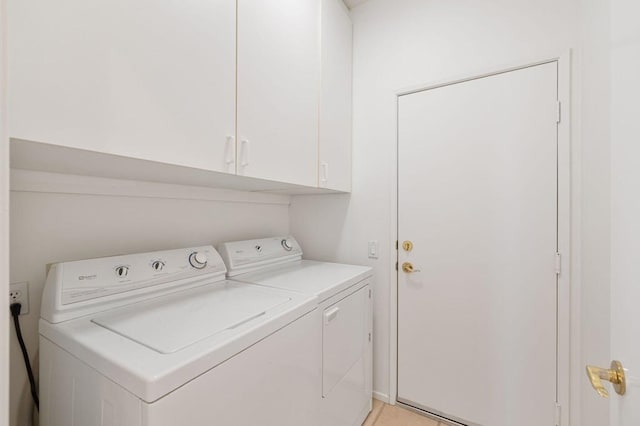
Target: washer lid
column 208, row 332
column 168, row 325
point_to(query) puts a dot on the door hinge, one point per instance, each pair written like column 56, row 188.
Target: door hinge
column 558, row 263
column 558, row 414
column 396, row 244
column 559, row 117
column 369, row 336
column 396, row 266
column 369, row 293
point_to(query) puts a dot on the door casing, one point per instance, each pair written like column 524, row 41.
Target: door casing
column 568, row 310
column 4, row 225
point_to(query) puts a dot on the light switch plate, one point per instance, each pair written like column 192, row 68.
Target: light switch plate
column 373, row 249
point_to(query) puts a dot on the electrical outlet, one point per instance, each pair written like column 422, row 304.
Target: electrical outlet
column 19, row 293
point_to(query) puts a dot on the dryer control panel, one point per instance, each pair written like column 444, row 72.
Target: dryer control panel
column 87, row 286
column 248, row 255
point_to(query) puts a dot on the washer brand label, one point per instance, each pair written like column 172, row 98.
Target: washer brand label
column 87, row 277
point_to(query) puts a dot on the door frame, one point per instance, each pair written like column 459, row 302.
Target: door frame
column 568, row 312
column 4, row 224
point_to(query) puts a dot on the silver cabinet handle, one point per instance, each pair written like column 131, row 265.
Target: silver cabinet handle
column 245, row 153
column 229, row 158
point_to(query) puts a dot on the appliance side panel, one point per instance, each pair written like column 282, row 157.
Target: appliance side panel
column 72, row 393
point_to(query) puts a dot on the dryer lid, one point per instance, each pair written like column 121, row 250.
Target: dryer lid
column 169, row 324
column 321, row 279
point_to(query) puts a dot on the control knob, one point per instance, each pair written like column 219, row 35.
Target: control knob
column 198, row 260
column 122, row 271
column 286, row 244
column 158, row 265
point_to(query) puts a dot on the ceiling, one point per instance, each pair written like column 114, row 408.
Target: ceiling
column 353, row 3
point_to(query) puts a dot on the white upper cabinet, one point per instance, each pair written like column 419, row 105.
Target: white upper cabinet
column 335, row 97
column 257, row 88
column 278, row 89
column 150, row 79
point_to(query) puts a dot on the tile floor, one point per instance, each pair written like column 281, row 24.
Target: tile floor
column 393, row 415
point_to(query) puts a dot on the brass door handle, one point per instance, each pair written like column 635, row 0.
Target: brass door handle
column 614, row 375
column 408, row 268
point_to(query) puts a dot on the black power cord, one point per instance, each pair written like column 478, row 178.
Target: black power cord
column 15, row 313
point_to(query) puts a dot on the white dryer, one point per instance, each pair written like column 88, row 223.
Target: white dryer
column 344, row 317
column 162, row 339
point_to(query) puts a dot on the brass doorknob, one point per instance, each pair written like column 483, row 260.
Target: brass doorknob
column 407, row 245
column 614, row 375
column 408, row 268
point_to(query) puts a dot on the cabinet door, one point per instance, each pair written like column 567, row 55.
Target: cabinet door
column 278, row 85
column 150, row 79
column 335, row 97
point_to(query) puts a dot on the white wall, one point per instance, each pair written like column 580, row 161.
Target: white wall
column 401, row 43
column 56, row 226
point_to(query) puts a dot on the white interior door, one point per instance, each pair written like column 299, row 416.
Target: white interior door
column 625, row 212
column 477, row 194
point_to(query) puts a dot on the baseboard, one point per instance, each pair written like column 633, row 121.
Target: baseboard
column 382, row 397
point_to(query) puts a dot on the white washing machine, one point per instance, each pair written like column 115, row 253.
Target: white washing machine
column 162, row 339
column 344, row 317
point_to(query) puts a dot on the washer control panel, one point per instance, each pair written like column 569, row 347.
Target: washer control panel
column 95, row 278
